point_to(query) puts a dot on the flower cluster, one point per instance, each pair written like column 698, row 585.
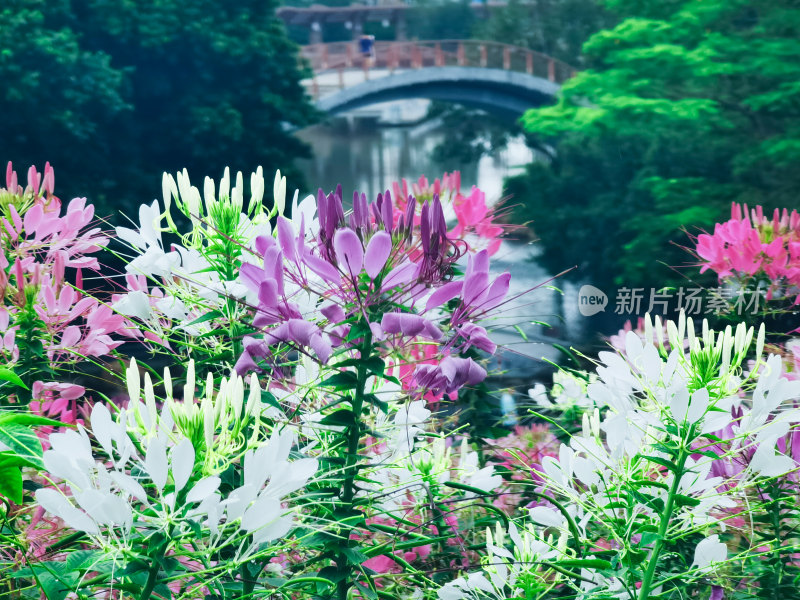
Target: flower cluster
column 650, row 467
column 190, row 289
column 47, row 320
column 159, row 469
column 308, row 439
column 476, row 222
column 313, row 290
column 753, row 247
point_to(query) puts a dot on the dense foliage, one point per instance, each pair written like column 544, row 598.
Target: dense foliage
column 557, row 28
column 131, row 89
column 682, row 108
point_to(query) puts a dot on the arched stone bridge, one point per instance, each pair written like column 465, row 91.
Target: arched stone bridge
column 489, row 75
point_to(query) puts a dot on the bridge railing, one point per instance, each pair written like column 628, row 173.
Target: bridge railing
column 341, row 57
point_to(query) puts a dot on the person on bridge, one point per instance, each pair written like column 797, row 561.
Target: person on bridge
column 366, row 44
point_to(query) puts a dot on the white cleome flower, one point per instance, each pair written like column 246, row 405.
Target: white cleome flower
column 122, row 489
column 709, row 551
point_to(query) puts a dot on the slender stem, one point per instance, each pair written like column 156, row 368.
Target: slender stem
column 778, row 567
column 152, row 577
column 152, row 574
column 353, row 435
column 248, row 581
column 666, row 516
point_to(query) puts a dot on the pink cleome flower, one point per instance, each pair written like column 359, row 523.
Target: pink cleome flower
column 752, row 246
column 476, row 221
column 47, row 252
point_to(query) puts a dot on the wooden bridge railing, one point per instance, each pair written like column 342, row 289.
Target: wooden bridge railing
column 341, row 57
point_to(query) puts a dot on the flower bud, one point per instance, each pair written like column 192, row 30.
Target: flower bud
column 133, row 381
column 648, row 329
column 49, row 179
column 193, row 205
column 209, row 426
column 208, row 194
column 672, row 335
column 237, row 196
column 256, row 189
column 150, row 400
column 279, row 192
column 254, row 399
column 210, row 393
column 188, row 389
column 237, row 396
column 760, row 342
column 168, row 190
column 659, row 329
column 184, row 186
column 225, row 185
column 167, row 383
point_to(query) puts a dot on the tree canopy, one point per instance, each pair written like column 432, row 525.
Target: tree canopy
column 683, row 108
column 114, row 93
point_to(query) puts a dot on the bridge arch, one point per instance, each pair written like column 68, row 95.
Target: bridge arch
column 493, row 90
column 492, row 76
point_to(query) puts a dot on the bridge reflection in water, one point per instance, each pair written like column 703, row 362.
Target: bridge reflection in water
column 490, row 75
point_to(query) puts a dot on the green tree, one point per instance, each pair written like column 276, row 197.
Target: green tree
column 58, row 99
column 557, row 28
column 441, row 20
column 684, row 107
column 169, row 84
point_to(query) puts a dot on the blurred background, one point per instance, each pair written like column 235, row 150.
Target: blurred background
column 612, row 130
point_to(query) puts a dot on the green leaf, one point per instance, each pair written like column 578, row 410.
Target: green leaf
column 648, row 483
column 367, row 592
column 354, row 557
column 23, row 442
column 346, row 380
column 344, row 418
column 209, row 316
column 28, row 419
column 466, row 488
column 373, row 364
column 708, row 453
column 269, row 398
column 682, row 500
column 648, row 538
column 332, row 574
column 663, row 462
column 375, row 401
column 358, row 330
column 584, row 563
column 83, row 559
column 12, row 459
column 11, row 483
column 56, row 583
column 11, row 377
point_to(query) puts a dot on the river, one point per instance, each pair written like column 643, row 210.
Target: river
column 369, row 149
